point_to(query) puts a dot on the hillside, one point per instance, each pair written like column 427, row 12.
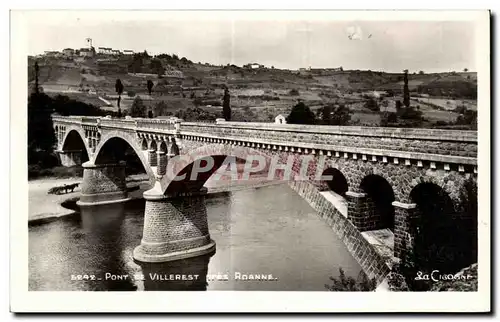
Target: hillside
column 256, row 94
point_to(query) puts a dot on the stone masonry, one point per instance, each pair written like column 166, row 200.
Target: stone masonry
column 175, row 226
column 103, row 183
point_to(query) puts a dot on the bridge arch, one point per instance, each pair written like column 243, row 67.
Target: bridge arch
column 338, row 182
column 71, row 132
column 380, row 196
column 443, row 238
column 115, row 142
column 183, row 165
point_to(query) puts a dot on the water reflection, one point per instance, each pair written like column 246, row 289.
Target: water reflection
column 181, row 275
column 101, row 227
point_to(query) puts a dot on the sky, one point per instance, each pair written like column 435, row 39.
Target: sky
column 392, row 46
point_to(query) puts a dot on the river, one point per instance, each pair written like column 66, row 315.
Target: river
column 260, row 231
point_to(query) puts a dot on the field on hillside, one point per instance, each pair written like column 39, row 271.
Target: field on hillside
column 256, row 95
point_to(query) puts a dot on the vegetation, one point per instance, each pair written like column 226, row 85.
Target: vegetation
column 149, row 85
column 294, row 92
column 36, row 171
column 467, row 117
column 161, row 109
column 334, row 115
column 195, row 114
column 406, row 91
column 41, row 134
column 372, row 105
column 119, row 91
column 65, row 106
column 389, row 119
column 349, row 284
column 138, row 109
column 301, row 114
column 226, row 108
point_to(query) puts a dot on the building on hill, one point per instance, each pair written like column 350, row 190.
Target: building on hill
column 48, row 53
column 128, row 52
column 68, row 52
column 115, row 52
column 105, row 51
column 280, row 119
column 86, row 52
column 253, row 66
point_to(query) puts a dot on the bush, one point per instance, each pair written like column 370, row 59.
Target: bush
column 372, row 104
column 138, row 109
column 301, row 114
column 349, row 284
column 468, row 118
column 410, row 113
column 131, row 93
column 294, row 92
column 388, row 119
column 334, row 115
column 462, row 109
column 36, row 171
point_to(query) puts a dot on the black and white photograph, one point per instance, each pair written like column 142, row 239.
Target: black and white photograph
column 306, row 153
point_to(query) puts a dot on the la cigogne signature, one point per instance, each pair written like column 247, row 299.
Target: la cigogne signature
column 436, row 276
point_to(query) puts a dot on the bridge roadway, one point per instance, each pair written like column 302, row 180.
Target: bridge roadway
column 379, row 173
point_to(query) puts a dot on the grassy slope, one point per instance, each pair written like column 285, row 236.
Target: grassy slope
column 251, row 89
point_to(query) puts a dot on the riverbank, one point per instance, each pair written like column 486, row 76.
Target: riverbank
column 43, row 206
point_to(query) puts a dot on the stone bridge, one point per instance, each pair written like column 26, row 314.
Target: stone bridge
column 386, row 177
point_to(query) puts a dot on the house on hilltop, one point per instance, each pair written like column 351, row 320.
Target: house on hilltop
column 105, row 50
column 48, row 53
column 253, row 66
column 86, row 52
column 128, row 52
column 68, row 52
column 280, row 119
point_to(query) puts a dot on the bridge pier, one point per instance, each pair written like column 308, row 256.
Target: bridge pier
column 70, row 158
column 404, row 213
column 103, row 184
column 360, row 210
column 175, row 227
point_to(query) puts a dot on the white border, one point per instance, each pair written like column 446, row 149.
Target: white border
column 230, row 301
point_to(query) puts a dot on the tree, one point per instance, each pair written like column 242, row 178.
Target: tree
column 421, row 72
column 37, row 70
column 157, row 67
column 466, row 70
column 161, row 109
column 372, row 104
column 119, row 91
column 398, row 105
column 301, row 114
column 226, row 108
column 150, row 86
column 41, row 134
column 138, row 109
column 406, row 91
column 335, row 115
